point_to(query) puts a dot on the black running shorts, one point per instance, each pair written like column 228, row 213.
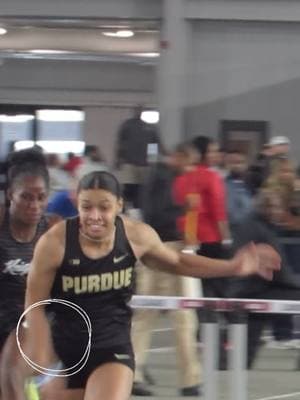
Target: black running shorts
column 122, row 354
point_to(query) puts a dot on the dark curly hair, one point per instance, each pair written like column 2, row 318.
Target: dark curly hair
column 27, row 162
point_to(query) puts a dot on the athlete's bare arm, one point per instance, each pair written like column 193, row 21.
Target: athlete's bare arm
column 261, row 259
column 47, row 257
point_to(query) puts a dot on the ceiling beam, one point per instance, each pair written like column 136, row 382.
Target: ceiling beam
column 251, row 10
column 123, row 9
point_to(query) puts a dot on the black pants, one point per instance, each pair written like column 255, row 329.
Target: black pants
column 257, row 322
column 214, row 287
column 282, row 327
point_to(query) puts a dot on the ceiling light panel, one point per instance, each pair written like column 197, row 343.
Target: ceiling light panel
column 125, row 34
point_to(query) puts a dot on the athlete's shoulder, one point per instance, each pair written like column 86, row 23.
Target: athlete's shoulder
column 51, row 245
column 140, row 235
column 134, row 226
column 56, row 233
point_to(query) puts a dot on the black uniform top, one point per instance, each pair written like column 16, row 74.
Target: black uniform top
column 102, row 287
column 15, row 258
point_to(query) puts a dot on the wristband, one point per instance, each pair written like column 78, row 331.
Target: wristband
column 227, row 242
column 190, row 249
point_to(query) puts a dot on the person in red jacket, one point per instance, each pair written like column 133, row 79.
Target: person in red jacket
column 202, row 190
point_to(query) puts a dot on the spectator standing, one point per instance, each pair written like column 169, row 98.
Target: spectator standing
column 238, row 197
column 206, row 187
column 92, row 161
column 136, row 141
column 161, row 213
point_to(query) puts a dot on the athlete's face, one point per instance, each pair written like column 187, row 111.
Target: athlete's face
column 28, row 199
column 98, row 209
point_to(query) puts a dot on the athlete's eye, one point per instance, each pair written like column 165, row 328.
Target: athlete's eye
column 105, row 208
column 26, row 197
column 42, row 197
column 86, row 208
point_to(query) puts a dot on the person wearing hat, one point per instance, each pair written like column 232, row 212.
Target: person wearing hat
column 258, row 172
column 279, row 146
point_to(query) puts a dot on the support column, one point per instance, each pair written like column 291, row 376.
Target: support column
column 210, row 327
column 172, row 72
column 238, row 355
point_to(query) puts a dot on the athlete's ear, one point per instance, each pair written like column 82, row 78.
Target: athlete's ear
column 9, row 194
column 120, row 205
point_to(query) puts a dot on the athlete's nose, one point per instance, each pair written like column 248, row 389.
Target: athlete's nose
column 34, row 204
column 95, row 213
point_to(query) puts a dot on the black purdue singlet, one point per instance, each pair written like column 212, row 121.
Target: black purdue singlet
column 15, row 258
column 102, row 287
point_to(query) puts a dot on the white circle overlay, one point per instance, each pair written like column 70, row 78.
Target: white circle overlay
column 58, row 372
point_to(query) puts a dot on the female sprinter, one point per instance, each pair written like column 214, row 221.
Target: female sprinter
column 21, row 225
column 90, row 261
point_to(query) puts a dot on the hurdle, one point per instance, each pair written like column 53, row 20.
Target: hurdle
column 239, row 308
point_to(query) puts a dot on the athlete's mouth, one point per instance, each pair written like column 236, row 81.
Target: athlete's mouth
column 96, row 227
column 34, row 215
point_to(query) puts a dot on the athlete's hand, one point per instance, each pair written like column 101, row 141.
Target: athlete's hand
column 260, row 259
column 269, row 260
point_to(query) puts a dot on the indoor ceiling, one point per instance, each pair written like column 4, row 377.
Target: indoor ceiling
column 79, row 39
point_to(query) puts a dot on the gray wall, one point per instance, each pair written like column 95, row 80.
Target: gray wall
column 83, row 8
column 102, row 124
column 75, row 76
column 244, row 71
